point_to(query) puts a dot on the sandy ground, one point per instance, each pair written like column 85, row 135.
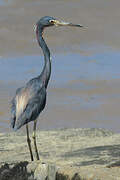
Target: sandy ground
column 92, row 152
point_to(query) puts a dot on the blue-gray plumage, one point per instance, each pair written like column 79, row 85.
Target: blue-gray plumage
column 30, row 100
column 28, row 103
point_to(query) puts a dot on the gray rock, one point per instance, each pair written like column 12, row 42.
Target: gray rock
column 45, row 171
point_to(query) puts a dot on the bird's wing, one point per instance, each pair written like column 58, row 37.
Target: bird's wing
column 22, row 99
column 30, row 108
column 13, row 108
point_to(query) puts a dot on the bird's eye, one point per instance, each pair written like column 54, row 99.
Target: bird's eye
column 51, row 21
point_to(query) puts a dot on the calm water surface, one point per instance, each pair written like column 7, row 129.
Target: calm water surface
column 65, row 67
column 84, row 91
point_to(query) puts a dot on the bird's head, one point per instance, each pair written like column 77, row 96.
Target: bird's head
column 47, row 21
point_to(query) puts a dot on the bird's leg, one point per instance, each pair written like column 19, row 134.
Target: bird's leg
column 29, row 143
column 34, row 139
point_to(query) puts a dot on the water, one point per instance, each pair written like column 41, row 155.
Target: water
column 4, row 2
column 65, row 67
column 84, row 91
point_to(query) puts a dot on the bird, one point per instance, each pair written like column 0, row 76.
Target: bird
column 30, row 100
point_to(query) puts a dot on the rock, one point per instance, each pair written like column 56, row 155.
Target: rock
column 52, row 169
column 45, row 171
column 15, row 171
column 41, row 172
column 28, row 171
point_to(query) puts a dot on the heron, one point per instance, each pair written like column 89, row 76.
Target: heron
column 30, row 100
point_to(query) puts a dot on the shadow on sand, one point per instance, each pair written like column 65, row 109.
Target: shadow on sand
column 97, row 155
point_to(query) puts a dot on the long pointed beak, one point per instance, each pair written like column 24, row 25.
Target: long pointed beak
column 62, row 23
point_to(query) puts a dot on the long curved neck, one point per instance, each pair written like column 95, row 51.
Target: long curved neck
column 46, row 72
